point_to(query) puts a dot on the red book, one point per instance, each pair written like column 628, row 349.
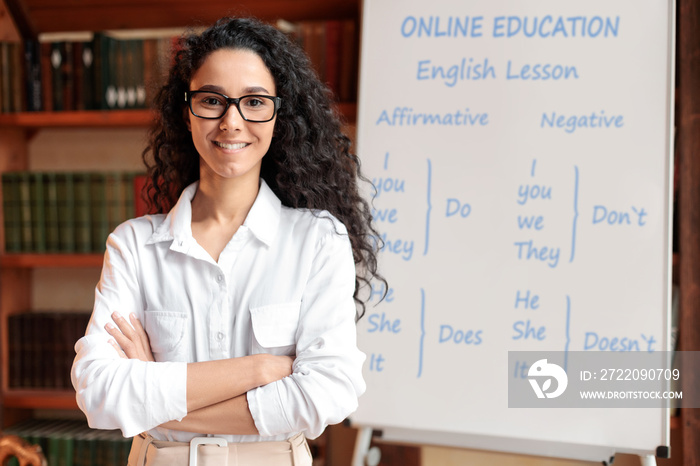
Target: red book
column 140, row 204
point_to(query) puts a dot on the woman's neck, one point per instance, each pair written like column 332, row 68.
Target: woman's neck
column 219, row 208
column 224, row 201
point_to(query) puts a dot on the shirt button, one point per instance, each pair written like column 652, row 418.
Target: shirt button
column 219, row 278
column 219, row 336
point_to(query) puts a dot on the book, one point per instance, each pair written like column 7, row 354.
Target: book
column 108, row 51
column 25, row 208
column 139, row 73
column 151, row 73
column 65, row 197
column 46, row 67
column 83, row 207
column 68, row 75
column 86, row 64
column 140, row 206
column 57, row 58
column 99, row 226
column 349, row 57
column 41, row 350
column 118, row 69
column 78, row 101
column 38, row 216
column 51, row 212
column 32, row 63
column 45, row 349
column 18, row 85
column 12, row 212
column 5, row 78
column 115, row 200
column 14, row 344
column 26, row 348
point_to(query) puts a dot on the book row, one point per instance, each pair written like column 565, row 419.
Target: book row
column 73, row 443
column 106, row 71
column 102, row 73
column 41, row 348
column 71, row 212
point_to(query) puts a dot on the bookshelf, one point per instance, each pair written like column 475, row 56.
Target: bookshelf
column 30, row 261
column 20, row 130
column 75, row 119
column 106, row 118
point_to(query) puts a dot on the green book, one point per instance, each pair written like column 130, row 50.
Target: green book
column 51, row 212
column 41, row 436
column 25, row 206
column 129, row 195
column 116, row 212
column 52, row 437
column 67, row 443
column 81, row 192
column 38, row 213
column 98, row 211
column 90, row 452
column 11, row 211
column 65, row 198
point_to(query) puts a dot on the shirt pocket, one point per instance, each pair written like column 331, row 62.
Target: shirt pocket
column 275, row 328
column 166, row 333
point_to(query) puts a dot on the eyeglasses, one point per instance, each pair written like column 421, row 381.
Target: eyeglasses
column 212, row 105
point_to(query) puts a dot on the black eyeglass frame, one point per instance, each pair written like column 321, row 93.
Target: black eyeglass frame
column 277, row 101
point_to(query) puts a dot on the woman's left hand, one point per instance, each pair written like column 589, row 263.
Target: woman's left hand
column 130, row 340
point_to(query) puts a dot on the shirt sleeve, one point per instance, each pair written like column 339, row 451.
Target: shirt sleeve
column 327, row 375
column 115, row 393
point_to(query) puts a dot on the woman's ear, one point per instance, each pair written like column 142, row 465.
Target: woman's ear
column 186, row 117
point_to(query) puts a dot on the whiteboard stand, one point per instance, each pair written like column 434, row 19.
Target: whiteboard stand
column 363, row 454
column 647, row 460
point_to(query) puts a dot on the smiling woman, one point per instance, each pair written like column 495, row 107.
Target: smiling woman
column 229, row 145
column 235, row 306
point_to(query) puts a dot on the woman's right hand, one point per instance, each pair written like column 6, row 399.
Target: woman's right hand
column 273, row 368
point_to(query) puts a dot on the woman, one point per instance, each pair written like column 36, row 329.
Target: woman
column 247, row 288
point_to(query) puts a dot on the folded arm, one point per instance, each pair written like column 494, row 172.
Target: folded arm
column 215, row 389
column 137, row 394
column 327, row 378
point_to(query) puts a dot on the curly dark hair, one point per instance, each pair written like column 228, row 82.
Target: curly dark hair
column 309, row 163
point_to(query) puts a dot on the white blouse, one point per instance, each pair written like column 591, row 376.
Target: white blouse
column 283, row 285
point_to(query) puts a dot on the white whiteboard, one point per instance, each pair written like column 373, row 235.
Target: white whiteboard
column 496, row 185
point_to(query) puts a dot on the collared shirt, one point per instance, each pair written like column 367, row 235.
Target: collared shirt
column 282, row 285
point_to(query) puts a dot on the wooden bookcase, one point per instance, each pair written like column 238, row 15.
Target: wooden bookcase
column 20, row 19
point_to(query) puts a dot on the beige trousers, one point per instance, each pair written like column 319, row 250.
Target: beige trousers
column 145, row 451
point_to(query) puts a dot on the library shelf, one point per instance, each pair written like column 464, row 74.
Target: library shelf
column 35, row 16
column 109, row 118
column 29, row 261
column 40, row 399
column 76, row 119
